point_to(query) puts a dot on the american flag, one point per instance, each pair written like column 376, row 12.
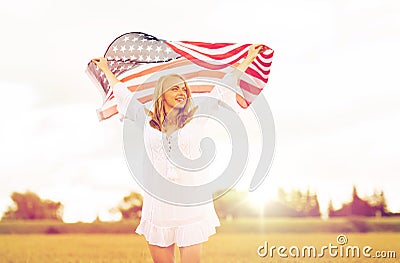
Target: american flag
column 139, row 59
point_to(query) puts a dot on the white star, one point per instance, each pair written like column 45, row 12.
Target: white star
column 165, row 58
column 131, row 48
column 126, row 38
column 149, row 48
column 124, row 58
column 168, row 50
column 140, row 57
column 157, row 58
column 148, row 58
column 133, row 57
column 135, row 39
column 109, row 57
column 144, row 39
column 140, row 48
column 115, row 49
column 158, row 49
column 122, row 49
column 116, row 58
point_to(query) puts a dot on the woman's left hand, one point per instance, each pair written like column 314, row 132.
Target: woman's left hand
column 254, row 50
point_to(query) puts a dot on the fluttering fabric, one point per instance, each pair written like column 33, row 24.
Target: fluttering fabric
column 138, row 59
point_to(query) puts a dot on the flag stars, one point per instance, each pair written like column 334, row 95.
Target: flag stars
column 144, row 39
column 133, row 57
column 126, row 38
column 167, row 50
column 122, row 49
column 140, row 48
column 131, row 48
column 148, row 58
column 115, row 49
column 156, row 58
column 135, row 39
column 158, row 49
column 140, row 57
column 149, row 48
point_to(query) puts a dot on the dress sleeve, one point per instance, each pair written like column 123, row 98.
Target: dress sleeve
column 127, row 104
column 227, row 95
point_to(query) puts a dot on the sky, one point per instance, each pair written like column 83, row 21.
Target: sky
column 333, row 92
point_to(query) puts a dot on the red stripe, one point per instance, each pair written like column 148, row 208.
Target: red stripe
column 255, row 74
column 249, row 87
column 109, row 112
column 203, row 63
column 265, row 72
column 221, row 56
column 207, row 45
column 264, row 64
column 267, row 56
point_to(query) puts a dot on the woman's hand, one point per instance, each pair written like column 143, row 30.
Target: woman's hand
column 254, row 50
column 103, row 66
column 101, row 63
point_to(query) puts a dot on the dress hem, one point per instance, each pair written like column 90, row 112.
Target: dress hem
column 185, row 235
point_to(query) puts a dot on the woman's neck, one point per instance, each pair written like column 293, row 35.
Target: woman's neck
column 171, row 120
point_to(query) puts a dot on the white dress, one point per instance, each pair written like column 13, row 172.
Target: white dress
column 164, row 224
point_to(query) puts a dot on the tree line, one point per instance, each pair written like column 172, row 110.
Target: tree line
column 233, row 204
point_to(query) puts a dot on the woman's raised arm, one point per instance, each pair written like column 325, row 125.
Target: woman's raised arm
column 233, row 77
column 254, row 50
column 103, row 66
column 127, row 105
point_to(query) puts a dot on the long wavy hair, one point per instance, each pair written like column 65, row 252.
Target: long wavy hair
column 158, row 115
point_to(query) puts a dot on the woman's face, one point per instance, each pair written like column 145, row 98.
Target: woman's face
column 175, row 93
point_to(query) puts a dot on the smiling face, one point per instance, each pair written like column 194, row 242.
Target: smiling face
column 175, row 93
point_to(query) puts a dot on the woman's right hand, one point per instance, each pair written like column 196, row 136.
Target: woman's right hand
column 103, row 66
column 101, row 63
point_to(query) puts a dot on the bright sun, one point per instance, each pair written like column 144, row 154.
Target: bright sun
column 257, row 198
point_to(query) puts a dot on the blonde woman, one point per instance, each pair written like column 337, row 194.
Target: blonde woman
column 162, row 224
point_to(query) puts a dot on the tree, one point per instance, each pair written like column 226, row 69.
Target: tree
column 130, row 207
column 295, row 204
column 29, row 206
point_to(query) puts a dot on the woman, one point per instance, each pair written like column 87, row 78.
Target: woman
column 163, row 224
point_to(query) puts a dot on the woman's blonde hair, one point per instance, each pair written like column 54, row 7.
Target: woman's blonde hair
column 158, row 115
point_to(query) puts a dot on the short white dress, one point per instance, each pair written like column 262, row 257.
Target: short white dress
column 161, row 223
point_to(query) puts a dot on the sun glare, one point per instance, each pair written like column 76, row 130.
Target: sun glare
column 257, row 199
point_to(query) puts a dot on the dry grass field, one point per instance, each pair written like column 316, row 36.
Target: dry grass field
column 221, row 248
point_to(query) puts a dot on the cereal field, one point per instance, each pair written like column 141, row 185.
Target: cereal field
column 222, row 247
